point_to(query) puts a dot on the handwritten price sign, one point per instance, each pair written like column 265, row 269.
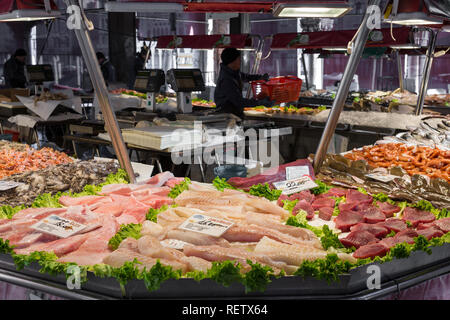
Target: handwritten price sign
column 295, row 185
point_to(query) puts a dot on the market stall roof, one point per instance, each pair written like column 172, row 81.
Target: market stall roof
column 240, row 41
column 340, row 39
column 311, row 8
column 27, row 10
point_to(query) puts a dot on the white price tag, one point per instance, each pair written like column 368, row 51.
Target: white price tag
column 207, row 225
column 295, row 185
column 174, row 244
column 296, row 172
column 381, row 177
column 58, row 226
column 7, row 185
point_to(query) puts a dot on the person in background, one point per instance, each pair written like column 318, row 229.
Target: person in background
column 139, row 64
column 108, row 70
column 228, row 94
column 14, row 70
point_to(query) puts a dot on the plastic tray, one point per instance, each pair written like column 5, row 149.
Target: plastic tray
column 348, row 285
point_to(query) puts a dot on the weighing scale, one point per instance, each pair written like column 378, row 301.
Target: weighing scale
column 37, row 75
column 150, row 82
column 184, row 82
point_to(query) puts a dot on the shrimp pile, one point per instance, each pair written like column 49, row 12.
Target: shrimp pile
column 432, row 162
column 13, row 161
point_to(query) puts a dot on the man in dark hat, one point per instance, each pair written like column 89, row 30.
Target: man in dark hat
column 228, row 94
column 139, row 64
column 108, row 70
column 14, row 70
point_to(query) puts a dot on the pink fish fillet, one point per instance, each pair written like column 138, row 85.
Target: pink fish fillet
column 86, row 200
column 113, row 208
column 126, row 219
column 58, row 247
column 160, row 179
column 37, row 213
column 123, row 189
column 95, row 248
column 147, row 191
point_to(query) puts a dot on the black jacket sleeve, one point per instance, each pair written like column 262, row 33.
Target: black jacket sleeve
column 234, row 95
column 14, row 77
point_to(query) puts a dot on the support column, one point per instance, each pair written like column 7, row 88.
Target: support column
column 122, row 44
column 344, row 86
column 111, row 124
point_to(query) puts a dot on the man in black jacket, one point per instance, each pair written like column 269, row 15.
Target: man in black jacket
column 228, row 94
column 108, row 70
column 14, row 70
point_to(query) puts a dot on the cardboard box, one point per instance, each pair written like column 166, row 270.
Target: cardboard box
column 12, row 93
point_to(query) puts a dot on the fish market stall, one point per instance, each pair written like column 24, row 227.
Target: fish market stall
column 287, row 247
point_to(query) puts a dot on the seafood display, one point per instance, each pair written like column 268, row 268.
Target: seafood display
column 167, row 227
column 101, row 214
column 196, row 102
column 287, row 110
column 393, row 181
column 432, row 162
column 4, row 144
column 28, row 159
column 70, row 177
column 432, row 132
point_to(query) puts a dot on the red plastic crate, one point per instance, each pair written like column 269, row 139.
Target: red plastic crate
column 279, row 89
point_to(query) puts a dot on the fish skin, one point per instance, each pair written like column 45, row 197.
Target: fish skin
column 216, row 253
column 260, row 220
column 253, row 233
column 196, row 238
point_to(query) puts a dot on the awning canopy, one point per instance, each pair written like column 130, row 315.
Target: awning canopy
column 340, row 39
column 239, row 41
column 10, row 5
column 221, row 6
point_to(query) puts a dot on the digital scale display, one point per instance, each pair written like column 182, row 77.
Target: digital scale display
column 149, row 80
column 39, row 73
column 186, row 80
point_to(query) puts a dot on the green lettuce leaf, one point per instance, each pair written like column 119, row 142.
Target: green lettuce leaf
column 153, row 213
column 263, row 190
column 179, row 188
column 131, row 230
column 321, row 187
column 157, row 275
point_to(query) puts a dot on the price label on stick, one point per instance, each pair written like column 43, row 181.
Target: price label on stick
column 58, row 226
column 296, row 172
column 207, row 225
column 295, row 185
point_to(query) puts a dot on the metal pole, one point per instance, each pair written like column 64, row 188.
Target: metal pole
column 400, row 72
column 101, row 91
column 258, row 58
column 304, row 68
column 426, row 72
column 344, row 86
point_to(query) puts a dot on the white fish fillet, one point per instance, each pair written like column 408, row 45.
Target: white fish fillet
column 152, row 229
column 195, row 263
column 267, row 222
column 117, row 259
column 151, row 247
column 290, row 254
column 195, row 238
column 253, row 233
column 129, row 244
column 216, row 253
